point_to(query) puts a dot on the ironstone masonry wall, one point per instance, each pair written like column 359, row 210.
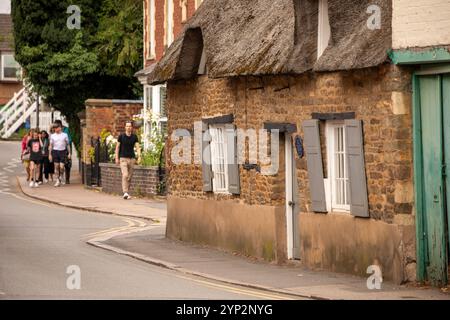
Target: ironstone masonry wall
column 380, row 96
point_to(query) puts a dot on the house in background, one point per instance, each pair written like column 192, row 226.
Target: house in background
column 9, row 68
column 163, row 21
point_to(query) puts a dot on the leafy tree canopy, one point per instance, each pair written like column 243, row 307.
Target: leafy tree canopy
column 67, row 66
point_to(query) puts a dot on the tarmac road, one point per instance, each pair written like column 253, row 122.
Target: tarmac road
column 39, row 242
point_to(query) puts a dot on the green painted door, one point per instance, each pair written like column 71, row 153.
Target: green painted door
column 433, row 197
column 446, row 125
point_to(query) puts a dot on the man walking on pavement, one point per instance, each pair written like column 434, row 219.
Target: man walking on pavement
column 58, row 152
column 68, row 163
column 125, row 156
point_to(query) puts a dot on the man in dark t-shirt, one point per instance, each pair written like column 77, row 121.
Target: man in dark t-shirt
column 126, row 157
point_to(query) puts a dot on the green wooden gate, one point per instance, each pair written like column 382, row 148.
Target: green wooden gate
column 432, row 187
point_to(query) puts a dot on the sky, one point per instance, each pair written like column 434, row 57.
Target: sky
column 5, row 6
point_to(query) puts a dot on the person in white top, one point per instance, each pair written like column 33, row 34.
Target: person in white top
column 58, row 152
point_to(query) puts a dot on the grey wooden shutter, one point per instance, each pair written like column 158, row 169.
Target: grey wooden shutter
column 232, row 160
column 315, row 166
column 356, row 168
column 162, row 101
column 206, row 159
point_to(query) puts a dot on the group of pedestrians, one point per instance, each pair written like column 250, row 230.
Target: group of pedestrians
column 47, row 157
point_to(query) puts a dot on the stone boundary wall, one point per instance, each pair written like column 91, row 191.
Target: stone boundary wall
column 145, row 180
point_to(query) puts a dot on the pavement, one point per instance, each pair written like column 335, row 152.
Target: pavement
column 77, row 196
column 148, row 244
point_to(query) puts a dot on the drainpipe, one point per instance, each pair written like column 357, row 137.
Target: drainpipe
column 37, row 111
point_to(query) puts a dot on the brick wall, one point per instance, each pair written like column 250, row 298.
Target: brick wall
column 381, row 97
column 160, row 10
column 145, row 181
column 106, row 114
column 7, row 90
column 420, row 23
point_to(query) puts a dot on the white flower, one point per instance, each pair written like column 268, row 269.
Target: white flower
column 109, row 139
column 155, row 117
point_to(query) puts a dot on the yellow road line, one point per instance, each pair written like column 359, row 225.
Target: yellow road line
column 233, row 289
column 129, row 224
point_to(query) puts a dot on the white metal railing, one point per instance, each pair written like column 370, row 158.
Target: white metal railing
column 19, row 109
column 15, row 113
column 46, row 119
column 11, row 106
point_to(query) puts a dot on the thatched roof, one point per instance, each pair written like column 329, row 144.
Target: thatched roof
column 143, row 74
column 353, row 44
column 257, row 37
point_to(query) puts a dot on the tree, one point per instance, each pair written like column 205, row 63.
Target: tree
column 67, row 66
column 120, row 38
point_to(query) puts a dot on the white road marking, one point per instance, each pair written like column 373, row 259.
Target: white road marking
column 4, row 178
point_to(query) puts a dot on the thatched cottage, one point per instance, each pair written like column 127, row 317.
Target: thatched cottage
column 318, row 73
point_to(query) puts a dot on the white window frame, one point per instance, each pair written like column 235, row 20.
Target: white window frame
column 219, row 158
column 155, row 101
column 148, row 97
column 2, row 72
column 169, row 23
column 198, row 3
column 184, row 10
column 154, row 108
column 330, row 185
column 324, row 29
column 202, row 69
column 151, row 29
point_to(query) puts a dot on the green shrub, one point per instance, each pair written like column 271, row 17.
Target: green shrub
column 153, row 156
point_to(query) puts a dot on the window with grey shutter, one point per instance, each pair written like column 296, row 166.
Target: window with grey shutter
column 206, row 159
column 162, row 105
column 359, row 206
column 314, row 164
column 148, row 97
column 232, row 160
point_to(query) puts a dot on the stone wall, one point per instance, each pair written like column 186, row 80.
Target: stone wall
column 144, row 183
column 380, row 97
